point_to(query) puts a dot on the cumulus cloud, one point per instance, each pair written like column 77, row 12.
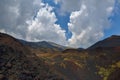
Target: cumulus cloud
column 43, row 27
column 88, row 24
column 14, row 13
column 69, row 5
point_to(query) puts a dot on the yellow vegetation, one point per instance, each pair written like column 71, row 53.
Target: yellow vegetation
column 118, row 64
column 63, row 65
column 78, row 64
column 105, row 72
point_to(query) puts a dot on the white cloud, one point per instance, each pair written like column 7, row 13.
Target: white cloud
column 14, row 13
column 88, row 24
column 44, row 27
column 69, row 5
column 56, row 1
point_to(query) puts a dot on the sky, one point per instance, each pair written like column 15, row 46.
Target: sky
column 74, row 23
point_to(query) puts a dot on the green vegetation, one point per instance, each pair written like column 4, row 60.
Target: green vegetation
column 105, row 72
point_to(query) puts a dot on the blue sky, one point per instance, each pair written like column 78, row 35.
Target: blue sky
column 74, row 23
column 115, row 23
column 64, row 19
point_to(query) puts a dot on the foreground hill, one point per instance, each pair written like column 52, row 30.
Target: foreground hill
column 21, row 62
column 18, row 63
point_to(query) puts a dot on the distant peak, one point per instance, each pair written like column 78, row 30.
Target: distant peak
column 44, row 42
column 115, row 36
column 112, row 41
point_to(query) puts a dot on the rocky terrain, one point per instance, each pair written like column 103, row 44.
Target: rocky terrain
column 22, row 61
column 18, row 63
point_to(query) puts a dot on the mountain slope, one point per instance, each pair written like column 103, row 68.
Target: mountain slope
column 92, row 64
column 113, row 41
column 18, row 63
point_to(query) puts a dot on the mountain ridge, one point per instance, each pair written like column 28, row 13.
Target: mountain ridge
column 112, row 41
column 43, row 44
